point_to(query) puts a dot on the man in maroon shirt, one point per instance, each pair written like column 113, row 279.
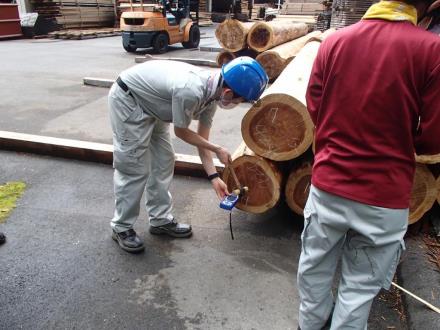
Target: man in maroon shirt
column 374, row 97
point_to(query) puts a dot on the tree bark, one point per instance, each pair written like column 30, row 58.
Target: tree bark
column 265, row 35
column 260, row 175
column 298, row 187
column 232, row 34
column 275, row 60
column 278, row 126
column 423, row 194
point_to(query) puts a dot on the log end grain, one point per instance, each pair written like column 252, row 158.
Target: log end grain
column 278, row 127
column 224, row 57
column 262, row 178
column 298, row 187
column 423, row 194
column 272, row 63
column 260, row 37
column 232, row 34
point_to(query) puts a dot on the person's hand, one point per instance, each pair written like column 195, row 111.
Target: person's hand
column 221, row 189
column 223, row 156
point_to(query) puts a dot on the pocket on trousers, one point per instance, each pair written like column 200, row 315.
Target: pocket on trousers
column 389, row 278
column 128, row 157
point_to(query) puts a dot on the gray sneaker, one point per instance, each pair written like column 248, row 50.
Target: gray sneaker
column 173, row 229
column 128, row 241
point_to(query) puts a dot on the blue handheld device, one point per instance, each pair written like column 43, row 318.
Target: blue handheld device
column 229, row 202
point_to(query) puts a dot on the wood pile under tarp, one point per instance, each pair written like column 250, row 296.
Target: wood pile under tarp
column 76, row 14
column 275, row 159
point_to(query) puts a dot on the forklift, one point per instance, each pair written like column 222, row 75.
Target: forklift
column 159, row 25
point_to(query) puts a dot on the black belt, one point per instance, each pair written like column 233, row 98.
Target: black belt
column 123, row 86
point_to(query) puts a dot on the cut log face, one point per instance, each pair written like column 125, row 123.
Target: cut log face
column 224, row 57
column 265, row 35
column 298, row 187
column 423, row 194
column 278, row 128
column 232, row 34
column 275, row 60
column 260, row 175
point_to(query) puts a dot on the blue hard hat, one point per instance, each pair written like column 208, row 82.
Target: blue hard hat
column 246, row 77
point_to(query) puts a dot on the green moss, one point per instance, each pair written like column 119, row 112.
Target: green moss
column 9, row 193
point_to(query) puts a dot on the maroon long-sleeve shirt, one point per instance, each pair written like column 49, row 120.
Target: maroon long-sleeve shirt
column 370, row 84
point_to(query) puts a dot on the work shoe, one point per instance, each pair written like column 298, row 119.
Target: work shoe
column 128, row 241
column 173, row 229
column 2, row 238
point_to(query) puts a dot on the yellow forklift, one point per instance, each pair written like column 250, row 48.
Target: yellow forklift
column 158, row 25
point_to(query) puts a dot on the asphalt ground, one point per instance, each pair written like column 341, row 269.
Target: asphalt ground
column 42, row 89
column 60, row 269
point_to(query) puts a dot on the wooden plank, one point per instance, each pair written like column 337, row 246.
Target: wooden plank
column 142, row 59
column 88, row 151
column 98, row 82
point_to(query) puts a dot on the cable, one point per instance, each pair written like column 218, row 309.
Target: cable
column 230, row 225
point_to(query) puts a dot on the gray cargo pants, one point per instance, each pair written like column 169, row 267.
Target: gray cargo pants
column 143, row 159
column 368, row 240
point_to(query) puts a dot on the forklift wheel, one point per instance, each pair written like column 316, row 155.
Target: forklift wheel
column 194, row 38
column 129, row 48
column 160, row 43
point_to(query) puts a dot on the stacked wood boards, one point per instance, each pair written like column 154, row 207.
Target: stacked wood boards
column 77, row 13
column 295, row 7
column 347, row 12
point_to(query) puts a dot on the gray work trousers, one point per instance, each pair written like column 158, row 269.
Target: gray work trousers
column 143, row 159
column 367, row 239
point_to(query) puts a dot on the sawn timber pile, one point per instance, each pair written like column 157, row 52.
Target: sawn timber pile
column 275, row 158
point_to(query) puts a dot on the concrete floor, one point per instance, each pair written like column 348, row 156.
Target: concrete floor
column 42, row 91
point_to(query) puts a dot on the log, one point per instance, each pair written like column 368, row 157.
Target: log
column 275, row 60
column 265, row 35
column 428, row 159
column 232, row 34
column 278, row 126
column 423, row 194
column 438, row 189
column 260, row 175
column 225, row 57
column 298, row 187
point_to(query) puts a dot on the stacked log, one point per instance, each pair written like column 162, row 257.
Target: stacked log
column 276, row 59
column 262, row 176
column 232, row 34
column 265, row 35
column 424, row 193
column 298, row 187
column 278, row 133
column 250, row 39
column 438, row 189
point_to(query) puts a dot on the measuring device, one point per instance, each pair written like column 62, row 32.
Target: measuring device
column 228, row 203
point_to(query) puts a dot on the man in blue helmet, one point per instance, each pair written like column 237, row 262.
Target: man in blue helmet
column 143, row 102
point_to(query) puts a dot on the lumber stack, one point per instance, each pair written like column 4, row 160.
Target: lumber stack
column 275, row 159
column 302, row 7
column 347, row 12
column 73, row 14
